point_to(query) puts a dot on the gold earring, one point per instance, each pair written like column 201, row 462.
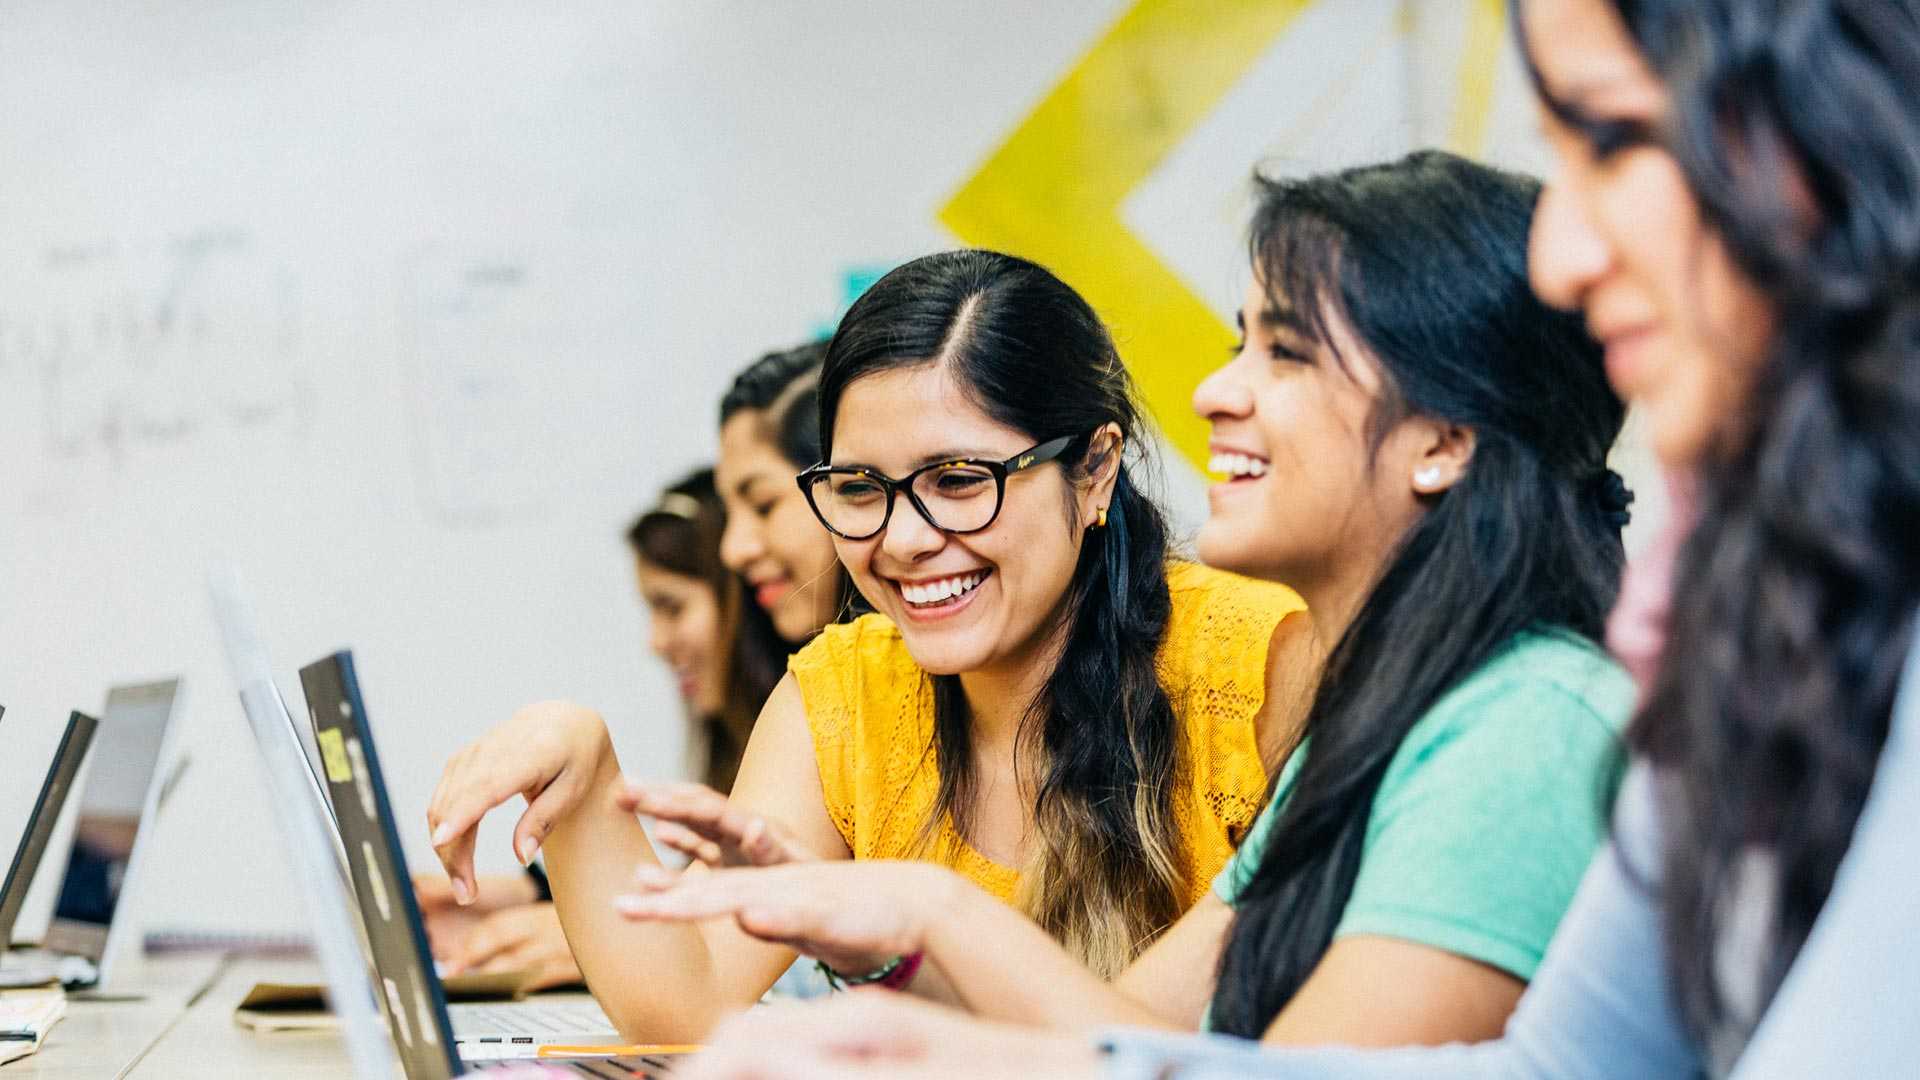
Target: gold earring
column 1100, row 519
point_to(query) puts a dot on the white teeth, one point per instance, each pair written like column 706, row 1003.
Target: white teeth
column 934, row 592
column 1234, row 466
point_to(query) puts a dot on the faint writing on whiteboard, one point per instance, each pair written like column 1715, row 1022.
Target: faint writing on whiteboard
column 477, row 335
column 122, row 350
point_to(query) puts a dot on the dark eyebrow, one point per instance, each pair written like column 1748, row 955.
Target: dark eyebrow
column 935, row 458
column 744, row 486
column 1274, row 318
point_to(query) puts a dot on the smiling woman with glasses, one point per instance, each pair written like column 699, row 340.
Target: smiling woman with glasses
column 1044, row 705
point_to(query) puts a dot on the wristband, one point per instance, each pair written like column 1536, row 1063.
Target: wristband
column 542, row 891
column 895, row 974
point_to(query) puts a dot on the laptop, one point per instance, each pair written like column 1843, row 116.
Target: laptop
column 430, row 1045
column 67, row 759
column 121, row 793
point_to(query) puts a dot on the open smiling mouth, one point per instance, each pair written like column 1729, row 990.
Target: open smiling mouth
column 941, row 595
column 1237, row 467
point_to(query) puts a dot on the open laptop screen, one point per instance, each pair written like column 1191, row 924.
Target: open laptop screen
column 113, row 799
column 67, row 759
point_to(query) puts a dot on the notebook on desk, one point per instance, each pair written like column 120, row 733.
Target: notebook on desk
column 25, row 1018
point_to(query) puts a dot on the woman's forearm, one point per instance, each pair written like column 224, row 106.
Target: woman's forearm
column 591, row 856
column 997, row 963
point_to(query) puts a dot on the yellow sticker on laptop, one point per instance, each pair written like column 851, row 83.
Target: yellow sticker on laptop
column 333, row 751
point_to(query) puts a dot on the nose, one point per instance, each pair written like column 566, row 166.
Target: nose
column 740, row 543
column 1566, row 255
column 909, row 537
column 659, row 637
column 1222, row 395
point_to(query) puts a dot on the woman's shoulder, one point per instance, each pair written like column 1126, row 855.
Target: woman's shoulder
column 1558, row 659
column 871, row 639
column 1545, row 683
column 1214, row 610
column 1195, row 582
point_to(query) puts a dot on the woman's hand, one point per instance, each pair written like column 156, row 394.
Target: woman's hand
column 526, row 937
column 448, row 923
column 554, row 754
column 875, row 1033
column 700, row 823
column 854, row 916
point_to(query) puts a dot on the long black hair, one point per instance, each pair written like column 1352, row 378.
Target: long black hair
column 680, row 533
column 1797, row 126
column 1106, row 875
column 1424, row 259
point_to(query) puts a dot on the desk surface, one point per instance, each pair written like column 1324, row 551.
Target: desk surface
column 106, row 1037
column 182, row 1026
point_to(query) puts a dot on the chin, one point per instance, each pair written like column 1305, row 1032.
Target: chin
column 1677, row 442
column 1224, row 549
column 936, row 656
column 794, row 623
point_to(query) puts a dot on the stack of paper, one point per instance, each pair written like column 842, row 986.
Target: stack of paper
column 25, row 1016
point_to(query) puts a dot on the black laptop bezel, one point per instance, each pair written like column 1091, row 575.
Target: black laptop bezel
column 330, row 684
column 68, row 757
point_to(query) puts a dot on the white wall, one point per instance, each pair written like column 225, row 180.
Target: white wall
column 407, row 308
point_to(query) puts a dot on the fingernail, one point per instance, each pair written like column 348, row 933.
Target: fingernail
column 443, row 835
column 630, row 904
column 651, row 875
column 529, row 847
column 461, row 894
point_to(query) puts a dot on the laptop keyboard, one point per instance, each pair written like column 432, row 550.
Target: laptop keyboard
column 569, row 1019
column 616, row 1068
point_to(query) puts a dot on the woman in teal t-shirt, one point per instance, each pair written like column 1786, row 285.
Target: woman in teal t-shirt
column 1456, row 734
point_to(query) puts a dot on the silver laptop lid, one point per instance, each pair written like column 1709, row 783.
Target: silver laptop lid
column 260, row 696
column 118, row 796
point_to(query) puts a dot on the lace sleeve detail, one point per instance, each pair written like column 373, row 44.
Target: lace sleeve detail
column 1214, row 665
column 825, row 669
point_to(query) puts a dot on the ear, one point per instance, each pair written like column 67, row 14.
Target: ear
column 1442, row 451
column 1101, row 470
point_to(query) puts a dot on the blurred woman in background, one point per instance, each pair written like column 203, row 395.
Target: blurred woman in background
column 725, row 654
column 769, row 431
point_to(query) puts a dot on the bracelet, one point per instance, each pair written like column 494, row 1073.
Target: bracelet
column 895, row 974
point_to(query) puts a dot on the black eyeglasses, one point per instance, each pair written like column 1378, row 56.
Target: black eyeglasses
column 959, row 497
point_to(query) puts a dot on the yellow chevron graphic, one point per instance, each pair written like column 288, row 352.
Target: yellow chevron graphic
column 1052, row 192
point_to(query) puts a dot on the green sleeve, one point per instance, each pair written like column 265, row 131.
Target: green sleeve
column 1485, row 823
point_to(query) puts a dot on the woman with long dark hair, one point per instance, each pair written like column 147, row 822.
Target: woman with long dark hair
column 1397, row 375
column 1042, row 700
column 1738, row 216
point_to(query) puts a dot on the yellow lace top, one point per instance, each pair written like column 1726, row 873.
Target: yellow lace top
column 870, row 709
